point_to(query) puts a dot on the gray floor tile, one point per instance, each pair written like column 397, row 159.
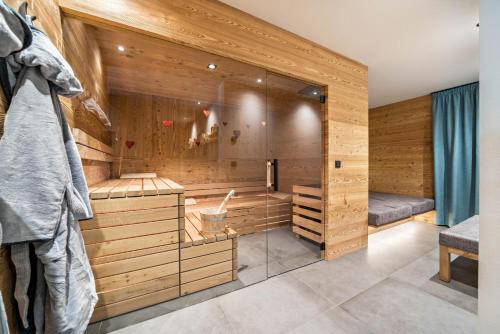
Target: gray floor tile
column 419, row 271
column 206, row 317
column 396, row 307
column 338, row 280
column 334, row 320
column 275, row 306
column 452, row 296
column 93, row 328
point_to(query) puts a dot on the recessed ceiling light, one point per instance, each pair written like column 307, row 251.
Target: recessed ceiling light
column 211, row 66
column 121, row 48
column 259, row 80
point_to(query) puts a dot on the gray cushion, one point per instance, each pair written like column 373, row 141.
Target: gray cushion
column 418, row 204
column 464, row 236
column 383, row 212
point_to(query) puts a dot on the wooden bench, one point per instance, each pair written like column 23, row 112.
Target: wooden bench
column 461, row 240
column 133, row 243
column 207, row 259
column 307, row 213
column 248, row 211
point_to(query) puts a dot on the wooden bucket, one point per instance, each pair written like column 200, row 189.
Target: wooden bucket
column 212, row 222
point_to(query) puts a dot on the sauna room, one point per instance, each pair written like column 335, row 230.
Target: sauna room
column 186, row 129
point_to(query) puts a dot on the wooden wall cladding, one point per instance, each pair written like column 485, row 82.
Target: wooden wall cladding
column 145, row 144
column 83, row 54
column 401, row 159
column 223, row 30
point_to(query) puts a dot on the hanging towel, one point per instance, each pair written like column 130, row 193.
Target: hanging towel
column 43, row 192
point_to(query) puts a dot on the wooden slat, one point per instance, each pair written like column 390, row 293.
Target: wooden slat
column 207, row 271
column 212, row 192
column 85, row 139
column 133, row 277
column 205, row 260
column 187, row 253
column 136, row 290
column 194, row 219
column 162, row 187
column 120, row 190
column 176, row 188
column 306, row 212
column 126, row 245
column 132, row 254
column 307, row 190
column 196, row 237
column 460, row 252
column 132, row 304
column 309, row 224
column 102, row 220
column 224, row 185
column 141, row 262
column 129, row 231
column 134, row 188
column 88, row 153
column 307, row 234
column 103, row 190
column 187, row 240
column 206, row 283
column 231, row 233
column 149, row 188
column 134, row 203
column 306, row 201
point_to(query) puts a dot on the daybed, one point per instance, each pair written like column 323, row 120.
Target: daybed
column 386, row 208
column 462, row 240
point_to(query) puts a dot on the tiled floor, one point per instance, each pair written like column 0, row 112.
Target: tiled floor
column 390, row 287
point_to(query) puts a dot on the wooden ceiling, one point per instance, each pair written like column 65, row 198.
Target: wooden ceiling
column 157, row 67
column 153, row 66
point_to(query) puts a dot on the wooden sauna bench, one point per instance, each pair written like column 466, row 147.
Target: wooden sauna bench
column 133, row 243
column 207, row 260
column 307, row 212
column 143, row 251
column 247, row 212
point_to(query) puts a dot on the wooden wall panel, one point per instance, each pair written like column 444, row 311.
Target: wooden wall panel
column 165, row 150
column 223, row 30
column 401, row 148
column 82, row 52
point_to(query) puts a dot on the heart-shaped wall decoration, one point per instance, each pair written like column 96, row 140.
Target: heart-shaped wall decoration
column 168, row 123
column 206, row 112
column 130, row 143
column 224, row 123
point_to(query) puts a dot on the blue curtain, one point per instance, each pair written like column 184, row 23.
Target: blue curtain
column 456, row 153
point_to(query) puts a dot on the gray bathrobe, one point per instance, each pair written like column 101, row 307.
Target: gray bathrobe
column 43, row 192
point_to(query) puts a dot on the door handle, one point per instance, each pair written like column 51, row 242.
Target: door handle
column 269, row 184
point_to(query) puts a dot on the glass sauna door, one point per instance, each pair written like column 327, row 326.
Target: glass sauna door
column 294, row 211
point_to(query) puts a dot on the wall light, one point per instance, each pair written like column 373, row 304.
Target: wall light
column 121, row 48
column 212, row 66
column 315, row 93
column 199, row 102
column 259, row 80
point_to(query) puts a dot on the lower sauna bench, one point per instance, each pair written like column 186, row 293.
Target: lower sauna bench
column 307, row 212
column 251, row 210
column 133, row 243
column 207, row 260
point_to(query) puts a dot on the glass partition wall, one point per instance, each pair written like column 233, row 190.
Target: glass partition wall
column 212, row 125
